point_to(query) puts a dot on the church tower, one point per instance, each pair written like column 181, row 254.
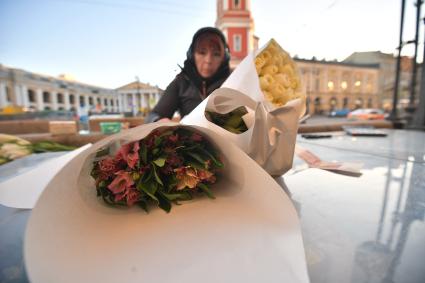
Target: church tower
column 235, row 21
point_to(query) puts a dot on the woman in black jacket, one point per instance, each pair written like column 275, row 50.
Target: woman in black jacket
column 205, row 69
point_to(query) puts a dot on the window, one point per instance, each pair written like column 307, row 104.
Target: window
column 60, row 98
column 31, row 95
column 82, row 102
column 8, row 96
column 72, row 99
column 236, row 4
column 237, row 42
column 46, row 97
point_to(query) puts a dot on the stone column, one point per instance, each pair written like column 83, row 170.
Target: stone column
column 24, row 95
column 118, row 102
column 134, row 104
column 17, row 97
column 86, row 101
column 66, row 100
column 39, row 99
column 3, row 98
column 54, row 100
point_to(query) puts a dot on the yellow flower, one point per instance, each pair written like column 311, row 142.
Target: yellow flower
column 186, row 177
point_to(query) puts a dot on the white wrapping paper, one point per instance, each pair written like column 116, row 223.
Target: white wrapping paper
column 270, row 139
column 249, row 233
column 23, row 191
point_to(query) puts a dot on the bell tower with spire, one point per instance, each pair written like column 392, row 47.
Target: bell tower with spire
column 235, row 21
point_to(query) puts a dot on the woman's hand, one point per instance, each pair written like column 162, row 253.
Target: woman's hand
column 164, row 120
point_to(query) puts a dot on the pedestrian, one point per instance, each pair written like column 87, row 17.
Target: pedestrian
column 205, row 69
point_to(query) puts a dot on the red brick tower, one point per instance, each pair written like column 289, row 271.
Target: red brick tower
column 235, row 21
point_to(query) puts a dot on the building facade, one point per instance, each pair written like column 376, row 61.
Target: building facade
column 139, row 97
column 35, row 92
column 332, row 85
column 235, row 21
column 387, row 68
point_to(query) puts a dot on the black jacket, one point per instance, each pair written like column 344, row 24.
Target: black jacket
column 188, row 89
column 182, row 95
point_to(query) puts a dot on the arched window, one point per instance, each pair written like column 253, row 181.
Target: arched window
column 71, row 99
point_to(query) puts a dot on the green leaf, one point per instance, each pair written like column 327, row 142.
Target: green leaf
column 143, row 204
column 143, row 152
column 213, row 158
column 206, row 190
column 157, row 141
column 156, row 176
column 149, row 188
column 160, row 162
column 164, row 203
column 195, row 164
column 102, row 152
column 47, row 146
column 177, row 196
column 196, row 156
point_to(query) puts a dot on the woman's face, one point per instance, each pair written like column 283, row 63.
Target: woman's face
column 209, row 54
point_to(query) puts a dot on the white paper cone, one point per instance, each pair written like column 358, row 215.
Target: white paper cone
column 270, row 141
column 24, row 190
column 249, row 233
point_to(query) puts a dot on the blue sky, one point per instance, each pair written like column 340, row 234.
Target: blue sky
column 109, row 42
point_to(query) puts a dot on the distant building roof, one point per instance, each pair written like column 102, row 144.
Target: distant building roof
column 369, row 57
column 61, row 79
column 136, row 85
column 348, row 64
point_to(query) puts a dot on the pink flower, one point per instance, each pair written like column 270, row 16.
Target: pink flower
column 131, row 195
column 174, row 160
column 129, row 153
column 173, row 138
column 121, row 182
column 107, row 166
column 205, row 175
column 196, row 137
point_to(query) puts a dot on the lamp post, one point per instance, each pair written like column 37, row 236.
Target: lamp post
column 393, row 116
column 412, row 106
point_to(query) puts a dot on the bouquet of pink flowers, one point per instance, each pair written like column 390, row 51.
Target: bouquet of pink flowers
column 163, row 168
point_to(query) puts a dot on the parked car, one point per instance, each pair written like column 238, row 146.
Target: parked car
column 366, row 114
column 339, row 112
